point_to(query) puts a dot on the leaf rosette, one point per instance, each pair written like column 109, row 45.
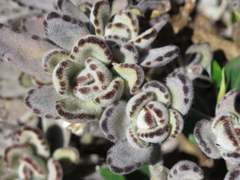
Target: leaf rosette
column 219, row 137
column 147, row 120
column 30, row 157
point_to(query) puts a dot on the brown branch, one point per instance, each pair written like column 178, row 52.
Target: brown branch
column 189, row 148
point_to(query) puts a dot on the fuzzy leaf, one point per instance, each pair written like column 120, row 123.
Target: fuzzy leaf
column 137, row 102
column 36, row 139
column 145, row 39
column 24, row 52
column 99, row 17
column 118, row 5
column 203, row 57
column 95, row 81
column 68, row 153
column 24, row 172
column 176, row 121
column 52, row 58
column 160, row 56
column 185, row 170
column 205, row 139
column 63, row 76
column 158, row 171
column 10, row 10
column 117, row 30
column 152, row 123
column 122, row 158
column 67, row 7
column 42, row 101
column 161, row 6
column 36, row 165
column 64, row 30
column 230, row 102
column 160, row 90
column 55, row 170
column 181, row 89
column 13, row 153
column 112, row 93
column 77, row 111
column 47, row 5
column 232, row 159
column 92, row 46
column 130, row 53
column 113, row 122
column 129, row 19
column 132, row 73
column 134, row 140
column 233, row 174
column 223, row 127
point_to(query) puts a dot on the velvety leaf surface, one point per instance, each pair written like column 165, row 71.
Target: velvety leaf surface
column 113, row 122
column 123, row 158
column 47, row 5
column 64, row 30
column 9, row 82
column 42, row 101
column 24, row 52
column 67, row 7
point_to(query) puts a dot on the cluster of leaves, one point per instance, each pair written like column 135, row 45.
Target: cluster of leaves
column 98, row 72
column 31, row 156
column 96, row 63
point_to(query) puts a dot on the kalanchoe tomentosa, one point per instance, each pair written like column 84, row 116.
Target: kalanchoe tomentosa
column 145, row 121
column 92, row 75
column 220, row 136
column 183, row 170
column 97, row 66
column 30, row 156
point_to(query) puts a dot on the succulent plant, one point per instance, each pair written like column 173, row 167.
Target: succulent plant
column 115, row 24
column 145, row 121
column 12, row 10
column 218, row 138
column 232, row 174
column 183, row 170
column 31, row 157
column 25, row 56
column 99, row 70
column 200, row 57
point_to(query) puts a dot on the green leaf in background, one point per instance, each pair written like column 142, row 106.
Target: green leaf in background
column 222, row 89
column 108, row 175
column 192, row 139
column 145, row 169
column 232, row 74
column 233, row 18
column 142, row 173
column 216, row 74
